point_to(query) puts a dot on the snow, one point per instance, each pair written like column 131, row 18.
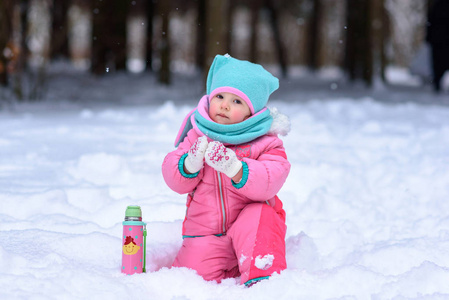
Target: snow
column 264, row 262
column 366, row 199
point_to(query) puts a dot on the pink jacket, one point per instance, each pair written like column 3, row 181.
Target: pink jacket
column 214, row 201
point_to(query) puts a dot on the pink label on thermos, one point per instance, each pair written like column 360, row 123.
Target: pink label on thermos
column 132, row 249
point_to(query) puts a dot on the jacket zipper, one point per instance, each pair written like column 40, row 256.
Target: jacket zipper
column 223, row 211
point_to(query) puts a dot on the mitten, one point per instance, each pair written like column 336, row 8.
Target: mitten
column 222, row 159
column 195, row 159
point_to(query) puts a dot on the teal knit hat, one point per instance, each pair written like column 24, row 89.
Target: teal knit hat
column 247, row 80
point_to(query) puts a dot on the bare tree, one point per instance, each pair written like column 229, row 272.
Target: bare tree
column 100, row 32
column 218, row 26
column 255, row 6
column 313, row 36
column 364, row 40
column 59, row 41
column 6, row 10
column 18, row 82
column 109, row 35
column 150, row 8
column 200, row 57
column 377, row 34
column 164, row 43
column 121, row 9
column 274, row 22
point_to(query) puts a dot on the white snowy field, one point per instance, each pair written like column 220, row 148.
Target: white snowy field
column 367, row 199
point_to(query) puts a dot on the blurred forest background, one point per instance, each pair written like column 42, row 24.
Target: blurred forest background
column 358, row 39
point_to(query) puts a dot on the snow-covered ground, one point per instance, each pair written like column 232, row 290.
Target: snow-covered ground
column 367, row 199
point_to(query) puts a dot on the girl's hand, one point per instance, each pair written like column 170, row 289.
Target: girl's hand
column 222, row 159
column 195, row 159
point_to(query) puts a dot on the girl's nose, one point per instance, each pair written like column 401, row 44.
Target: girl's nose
column 225, row 104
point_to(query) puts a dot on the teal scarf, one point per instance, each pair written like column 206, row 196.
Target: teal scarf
column 233, row 134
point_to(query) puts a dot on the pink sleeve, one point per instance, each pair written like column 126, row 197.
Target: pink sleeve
column 171, row 167
column 267, row 173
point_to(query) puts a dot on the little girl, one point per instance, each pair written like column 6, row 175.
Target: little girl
column 231, row 163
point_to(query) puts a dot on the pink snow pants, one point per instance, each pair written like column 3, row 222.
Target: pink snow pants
column 253, row 248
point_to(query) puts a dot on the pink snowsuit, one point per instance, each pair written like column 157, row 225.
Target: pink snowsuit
column 232, row 229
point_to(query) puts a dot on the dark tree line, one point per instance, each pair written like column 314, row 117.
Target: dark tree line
column 365, row 34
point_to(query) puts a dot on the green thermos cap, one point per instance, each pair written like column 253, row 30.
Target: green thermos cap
column 133, row 212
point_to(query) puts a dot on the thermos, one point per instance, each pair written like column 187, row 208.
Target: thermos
column 134, row 241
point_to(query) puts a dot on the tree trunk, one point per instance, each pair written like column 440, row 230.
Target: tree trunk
column 149, row 49
column 59, row 41
column 228, row 36
column 364, row 56
column 201, row 36
column 358, row 54
column 377, row 34
column 118, row 44
column 313, row 36
column 277, row 37
column 109, row 36
column 100, row 33
column 18, row 85
column 255, row 11
column 164, row 44
column 6, row 10
column 217, row 24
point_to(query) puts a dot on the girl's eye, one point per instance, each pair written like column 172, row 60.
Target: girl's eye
column 219, row 96
column 237, row 101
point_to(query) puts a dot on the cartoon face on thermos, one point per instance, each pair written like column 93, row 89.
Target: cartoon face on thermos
column 134, row 241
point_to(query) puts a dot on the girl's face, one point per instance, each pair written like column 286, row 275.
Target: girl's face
column 227, row 108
